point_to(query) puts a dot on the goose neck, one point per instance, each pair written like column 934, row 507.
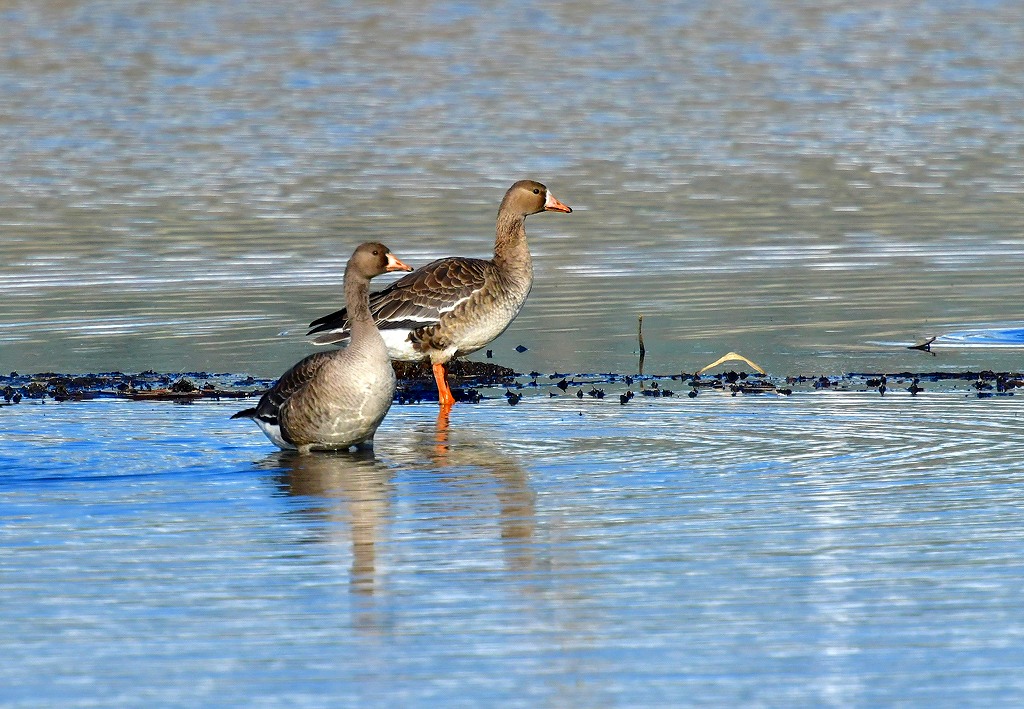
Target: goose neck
column 511, row 251
column 357, row 301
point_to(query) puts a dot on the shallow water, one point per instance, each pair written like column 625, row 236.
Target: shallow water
column 813, row 185
column 803, row 551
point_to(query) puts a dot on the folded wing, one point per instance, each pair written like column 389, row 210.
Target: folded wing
column 417, row 300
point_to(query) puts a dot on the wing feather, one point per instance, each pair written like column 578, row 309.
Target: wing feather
column 290, row 382
column 416, row 300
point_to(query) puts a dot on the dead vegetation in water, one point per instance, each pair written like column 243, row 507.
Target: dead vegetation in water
column 473, row 381
column 143, row 386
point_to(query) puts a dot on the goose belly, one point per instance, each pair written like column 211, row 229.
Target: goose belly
column 344, row 432
column 399, row 346
column 342, row 416
column 466, row 331
column 474, row 333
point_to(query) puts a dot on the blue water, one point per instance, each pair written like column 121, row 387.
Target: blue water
column 826, row 549
column 797, row 182
column 815, row 186
column 984, row 337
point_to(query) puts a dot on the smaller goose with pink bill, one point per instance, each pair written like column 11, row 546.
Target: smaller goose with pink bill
column 335, row 400
column 456, row 305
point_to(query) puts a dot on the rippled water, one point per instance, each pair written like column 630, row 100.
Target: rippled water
column 813, row 185
column 805, row 551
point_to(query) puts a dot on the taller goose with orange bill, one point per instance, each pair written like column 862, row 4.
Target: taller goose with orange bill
column 456, row 305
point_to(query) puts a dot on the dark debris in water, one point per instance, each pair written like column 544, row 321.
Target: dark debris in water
column 475, row 381
column 416, row 380
column 144, row 386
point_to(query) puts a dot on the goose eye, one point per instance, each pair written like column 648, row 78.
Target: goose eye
column 536, row 191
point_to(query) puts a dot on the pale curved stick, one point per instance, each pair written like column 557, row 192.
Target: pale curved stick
column 729, row 357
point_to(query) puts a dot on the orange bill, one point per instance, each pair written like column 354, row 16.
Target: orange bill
column 551, row 204
column 395, row 265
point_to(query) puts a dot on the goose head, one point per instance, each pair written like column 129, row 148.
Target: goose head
column 372, row 259
column 529, row 197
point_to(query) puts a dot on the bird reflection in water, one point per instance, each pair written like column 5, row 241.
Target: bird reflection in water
column 516, row 499
column 351, row 493
column 354, row 493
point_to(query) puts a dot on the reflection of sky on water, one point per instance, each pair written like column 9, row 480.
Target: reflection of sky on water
column 824, row 547
column 791, row 182
column 985, row 337
column 814, row 186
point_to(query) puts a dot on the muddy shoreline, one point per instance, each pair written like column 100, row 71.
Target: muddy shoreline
column 476, row 381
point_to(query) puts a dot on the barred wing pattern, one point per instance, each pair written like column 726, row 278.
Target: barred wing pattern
column 269, row 408
column 417, row 300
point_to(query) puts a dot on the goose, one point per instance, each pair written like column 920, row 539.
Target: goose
column 454, row 306
column 335, row 400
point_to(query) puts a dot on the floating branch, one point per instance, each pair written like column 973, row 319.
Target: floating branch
column 730, row 357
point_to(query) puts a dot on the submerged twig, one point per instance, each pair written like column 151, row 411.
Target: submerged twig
column 925, row 346
column 640, row 339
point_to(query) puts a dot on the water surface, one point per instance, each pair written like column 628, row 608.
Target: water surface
column 811, row 185
column 831, row 549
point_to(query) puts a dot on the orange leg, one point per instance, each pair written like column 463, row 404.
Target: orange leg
column 444, row 394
